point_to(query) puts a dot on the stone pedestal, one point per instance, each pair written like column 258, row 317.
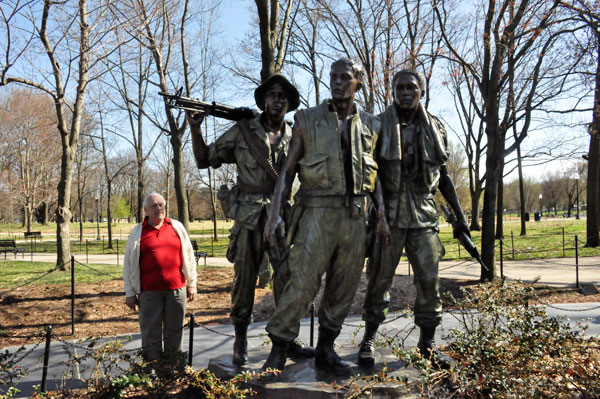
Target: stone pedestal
column 301, row 380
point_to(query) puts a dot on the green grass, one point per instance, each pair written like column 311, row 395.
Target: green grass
column 543, row 240
column 16, row 273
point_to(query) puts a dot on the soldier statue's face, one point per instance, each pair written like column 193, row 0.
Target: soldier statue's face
column 342, row 81
column 407, row 92
column 276, row 101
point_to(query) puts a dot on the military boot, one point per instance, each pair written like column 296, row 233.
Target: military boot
column 240, row 345
column 297, row 349
column 427, row 348
column 366, row 352
column 326, row 358
column 276, row 359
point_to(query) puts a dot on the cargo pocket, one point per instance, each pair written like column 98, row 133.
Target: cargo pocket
column 369, row 173
column 232, row 247
column 313, row 172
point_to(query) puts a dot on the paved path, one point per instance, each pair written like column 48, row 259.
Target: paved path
column 219, row 340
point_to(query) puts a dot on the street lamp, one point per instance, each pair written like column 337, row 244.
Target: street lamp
column 541, row 207
column 577, row 195
column 97, row 219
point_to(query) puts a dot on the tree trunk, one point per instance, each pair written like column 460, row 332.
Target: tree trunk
column 521, row 193
column 475, row 198
column 109, row 212
column 493, row 160
column 500, row 205
column 63, row 209
column 178, row 182
column 593, row 178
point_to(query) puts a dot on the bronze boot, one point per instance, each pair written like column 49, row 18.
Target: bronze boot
column 327, row 359
column 427, row 348
column 276, row 359
column 366, row 352
column 298, row 350
column 240, row 345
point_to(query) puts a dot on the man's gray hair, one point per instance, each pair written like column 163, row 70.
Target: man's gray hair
column 152, row 194
column 409, row 71
column 357, row 69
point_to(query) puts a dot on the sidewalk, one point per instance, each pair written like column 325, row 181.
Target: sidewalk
column 219, row 340
column 558, row 272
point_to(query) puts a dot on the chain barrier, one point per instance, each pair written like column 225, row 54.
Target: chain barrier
column 33, row 280
column 400, row 316
column 94, row 270
column 572, row 310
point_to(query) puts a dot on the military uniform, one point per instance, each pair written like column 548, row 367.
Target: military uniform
column 328, row 220
column 409, row 158
column 247, row 246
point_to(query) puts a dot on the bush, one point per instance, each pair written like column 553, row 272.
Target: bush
column 508, row 349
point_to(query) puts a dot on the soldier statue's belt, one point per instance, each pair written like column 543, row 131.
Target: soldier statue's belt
column 332, row 201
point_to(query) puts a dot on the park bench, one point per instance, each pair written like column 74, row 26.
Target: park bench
column 198, row 254
column 32, row 234
column 10, row 246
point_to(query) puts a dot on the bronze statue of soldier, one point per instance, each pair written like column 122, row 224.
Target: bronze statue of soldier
column 411, row 153
column 259, row 148
column 332, row 150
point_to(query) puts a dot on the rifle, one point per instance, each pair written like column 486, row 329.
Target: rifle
column 215, row 109
column 463, row 238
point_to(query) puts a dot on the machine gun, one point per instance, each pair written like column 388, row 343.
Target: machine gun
column 463, row 238
column 215, row 109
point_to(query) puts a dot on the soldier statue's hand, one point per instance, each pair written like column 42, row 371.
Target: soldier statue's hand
column 194, row 119
column 246, row 112
column 383, row 230
column 459, row 228
column 275, row 227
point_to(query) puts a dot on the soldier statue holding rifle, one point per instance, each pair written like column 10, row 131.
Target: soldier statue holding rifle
column 258, row 146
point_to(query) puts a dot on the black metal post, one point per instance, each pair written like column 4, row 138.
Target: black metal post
column 46, row 358
column 512, row 243
column 312, row 324
column 72, row 295
column 31, row 247
column 563, row 234
column 501, row 258
column 577, row 198
column 118, row 252
column 576, row 263
column 191, row 338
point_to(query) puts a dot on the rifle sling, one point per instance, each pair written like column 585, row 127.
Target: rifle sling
column 257, row 150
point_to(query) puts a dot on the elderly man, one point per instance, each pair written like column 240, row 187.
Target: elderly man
column 258, row 147
column 411, row 154
column 332, row 149
column 159, row 274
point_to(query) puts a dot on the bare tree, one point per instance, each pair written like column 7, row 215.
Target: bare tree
column 512, row 44
column 587, row 13
column 73, row 39
column 31, row 149
column 273, row 35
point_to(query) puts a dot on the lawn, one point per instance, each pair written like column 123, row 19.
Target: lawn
column 549, row 238
column 18, row 273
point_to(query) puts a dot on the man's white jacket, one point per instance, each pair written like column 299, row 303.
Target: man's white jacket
column 131, row 263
